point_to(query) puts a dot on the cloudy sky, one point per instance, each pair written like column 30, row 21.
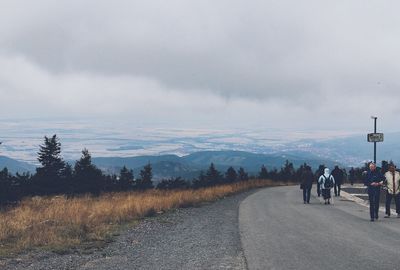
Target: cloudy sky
column 298, row 64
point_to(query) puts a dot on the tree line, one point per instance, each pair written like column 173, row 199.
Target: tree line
column 56, row 176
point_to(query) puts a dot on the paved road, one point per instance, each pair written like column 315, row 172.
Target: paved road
column 278, row 231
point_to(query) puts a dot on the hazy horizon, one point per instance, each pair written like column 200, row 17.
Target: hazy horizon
column 230, row 64
column 21, row 139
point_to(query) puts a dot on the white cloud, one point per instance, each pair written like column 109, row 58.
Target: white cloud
column 308, row 64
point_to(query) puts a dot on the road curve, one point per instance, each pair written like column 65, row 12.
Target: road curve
column 278, row 231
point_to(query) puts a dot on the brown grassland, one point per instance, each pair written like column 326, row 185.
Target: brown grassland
column 61, row 223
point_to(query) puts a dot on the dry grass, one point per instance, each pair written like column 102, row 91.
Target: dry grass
column 60, row 222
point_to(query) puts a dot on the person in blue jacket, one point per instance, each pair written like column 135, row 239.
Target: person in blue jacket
column 374, row 180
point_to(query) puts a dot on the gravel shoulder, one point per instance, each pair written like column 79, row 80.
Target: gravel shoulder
column 205, row 237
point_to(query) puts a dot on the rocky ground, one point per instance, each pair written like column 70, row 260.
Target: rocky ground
column 205, row 237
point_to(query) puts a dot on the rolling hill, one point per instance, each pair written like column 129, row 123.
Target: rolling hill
column 189, row 166
column 15, row 166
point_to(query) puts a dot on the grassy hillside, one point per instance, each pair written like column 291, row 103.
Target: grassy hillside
column 59, row 222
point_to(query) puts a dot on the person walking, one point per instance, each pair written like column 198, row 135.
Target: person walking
column 318, row 173
column 352, row 175
column 392, row 181
column 306, row 183
column 338, row 175
column 373, row 180
column 327, row 181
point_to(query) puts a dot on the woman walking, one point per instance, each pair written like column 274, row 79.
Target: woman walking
column 327, row 181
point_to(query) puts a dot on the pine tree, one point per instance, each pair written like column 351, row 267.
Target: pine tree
column 146, row 176
column 263, row 173
column 173, row 183
column 5, row 186
column 48, row 178
column 49, row 156
column 213, row 176
column 126, row 179
column 68, row 178
column 200, row 181
column 287, row 171
column 242, row 175
column 111, row 183
column 87, row 177
column 231, row 175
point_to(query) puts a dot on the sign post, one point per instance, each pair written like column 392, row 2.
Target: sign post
column 375, row 137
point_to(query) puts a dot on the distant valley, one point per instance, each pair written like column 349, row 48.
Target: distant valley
column 185, row 152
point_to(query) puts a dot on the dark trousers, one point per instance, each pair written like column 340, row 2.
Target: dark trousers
column 319, row 189
column 389, row 201
column 373, row 194
column 326, row 193
column 306, row 194
column 337, row 189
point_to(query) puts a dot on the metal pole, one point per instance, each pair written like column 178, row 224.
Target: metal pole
column 375, row 142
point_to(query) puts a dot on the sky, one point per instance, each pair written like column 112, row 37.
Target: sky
column 306, row 65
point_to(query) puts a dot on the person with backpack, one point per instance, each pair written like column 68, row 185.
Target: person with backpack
column 392, row 185
column 306, row 178
column 373, row 181
column 338, row 175
column 327, row 181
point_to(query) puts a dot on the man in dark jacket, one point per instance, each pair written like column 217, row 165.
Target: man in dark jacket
column 318, row 173
column 373, row 180
column 306, row 183
column 338, row 175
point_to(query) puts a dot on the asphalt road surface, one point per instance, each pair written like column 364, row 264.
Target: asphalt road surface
column 278, row 231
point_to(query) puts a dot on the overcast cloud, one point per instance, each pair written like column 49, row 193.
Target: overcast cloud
column 302, row 64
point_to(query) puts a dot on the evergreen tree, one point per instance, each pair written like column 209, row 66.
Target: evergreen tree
column 274, row 175
column 68, row 178
column 111, row 183
column 201, row 181
column 24, row 181
column 48, row 178
column 126, row 179
column 5, row 186
column 146, row 176
column 173, row 183
column 213, row 176
column 87, row 177
column 49, row 156
column 231, row 175
column 263, row 173
column 287, row 171
column 242, row 175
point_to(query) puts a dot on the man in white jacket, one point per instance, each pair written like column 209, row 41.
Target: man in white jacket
column 327, row 181
column 392, row 181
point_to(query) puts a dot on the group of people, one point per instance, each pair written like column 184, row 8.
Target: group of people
column 390, row 181
column 374, row 181
column 325, row 183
